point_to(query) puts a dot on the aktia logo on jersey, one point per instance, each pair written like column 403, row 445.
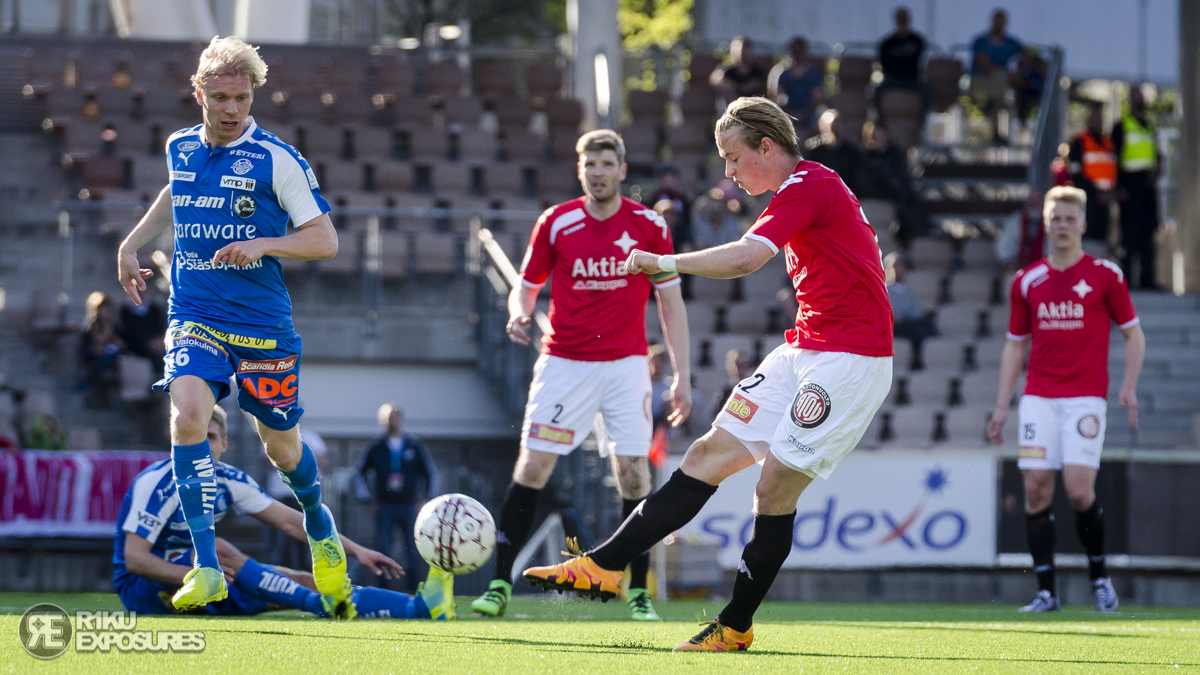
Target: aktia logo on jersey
column 1060, row 315
column 546, row 432
column 811, row 407
column 742, row 408
column 603, row 267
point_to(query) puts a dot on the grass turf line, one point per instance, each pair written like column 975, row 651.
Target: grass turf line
column 575, row 636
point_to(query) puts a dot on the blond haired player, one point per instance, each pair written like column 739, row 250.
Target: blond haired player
column 1062, row 310
column 239, row 200
column 592, row 372
column 808, row 403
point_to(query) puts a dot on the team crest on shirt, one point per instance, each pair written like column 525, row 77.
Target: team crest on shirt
column 1088, row 426
column 241, row 167
column 811, row 407
column 1082, row 288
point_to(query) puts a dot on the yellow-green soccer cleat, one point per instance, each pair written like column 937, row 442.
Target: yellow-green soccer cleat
column 329, row 572
column 495, row 601
column 640, row 608
column 438, row 595
column 201, row 586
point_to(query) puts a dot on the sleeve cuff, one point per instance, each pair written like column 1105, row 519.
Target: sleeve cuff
column 1018, row 338
column 1129, row 324
column 302, row 218
column 529, row 284
column 758, row 237
column 673, row 281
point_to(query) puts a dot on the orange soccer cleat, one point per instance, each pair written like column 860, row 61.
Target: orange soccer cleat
column 580, row 575
column 717, row 637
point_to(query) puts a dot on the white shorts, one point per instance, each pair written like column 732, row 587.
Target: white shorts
column 808, row 408
column 567, row 399
column 1057, row 431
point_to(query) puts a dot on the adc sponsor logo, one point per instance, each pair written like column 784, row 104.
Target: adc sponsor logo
column 272, row 390
column 811, row 407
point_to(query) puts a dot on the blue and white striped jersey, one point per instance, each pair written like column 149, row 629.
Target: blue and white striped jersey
column 151, row 509
column 220, row 194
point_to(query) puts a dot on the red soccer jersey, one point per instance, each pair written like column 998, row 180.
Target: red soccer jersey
column 1067, row 313
column 834, row 261
column 597, row 312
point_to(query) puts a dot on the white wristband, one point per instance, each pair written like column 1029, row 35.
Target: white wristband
column 666, row 263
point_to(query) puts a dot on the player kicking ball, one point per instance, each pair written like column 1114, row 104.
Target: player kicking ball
column 592, row 372
column 1062, row 308
column 153, row 552
column 808, row 403
column 233, row 190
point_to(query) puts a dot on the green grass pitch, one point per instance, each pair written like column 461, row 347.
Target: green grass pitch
column 545, row 635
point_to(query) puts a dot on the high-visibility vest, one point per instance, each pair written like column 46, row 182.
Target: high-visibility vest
column 1099, row 160
column 1138, row 152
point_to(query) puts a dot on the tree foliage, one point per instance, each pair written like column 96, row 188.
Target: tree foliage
column 653, row 23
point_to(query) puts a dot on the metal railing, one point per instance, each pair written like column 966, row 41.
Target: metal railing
column 1052, row 123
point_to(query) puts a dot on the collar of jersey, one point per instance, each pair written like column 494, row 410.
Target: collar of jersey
column 253, row 127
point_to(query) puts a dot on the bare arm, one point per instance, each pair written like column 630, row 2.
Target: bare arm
column 1011, row 363
column 1135, row 352
column 157, row 219
column 673, row 314
column 291, row 522
column 140, row 561
column 314, row 240
column 735, row 259
column 521, row 302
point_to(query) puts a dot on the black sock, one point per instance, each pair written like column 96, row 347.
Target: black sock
column 663, row 512
column 1090, row 525
column 639, row 566
column 761, row 560
column 1039, row 527
column 516, row 520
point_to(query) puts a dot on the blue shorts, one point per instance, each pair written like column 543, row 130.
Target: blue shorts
column 150, row 597
column 267, row 369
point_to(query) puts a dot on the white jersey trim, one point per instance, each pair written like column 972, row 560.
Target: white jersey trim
column 564, row 221
column 1018, row 338
column 291, row 185
column 1032, row 276
column 758, row 237
column 247, row 496
column 669, row 283
column 1129, row 324
column 143, row 489
column 529, row 284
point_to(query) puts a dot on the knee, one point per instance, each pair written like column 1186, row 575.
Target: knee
column 1081, row 498
column 188, row 424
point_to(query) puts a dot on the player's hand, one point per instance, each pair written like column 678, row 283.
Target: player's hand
column 995, row 428
column 239, row 253
column 641, row 261
column 378, row 563
column 229, row 574
column 517, row 330
column 132, row 277
column 681, row 401
column 1128, row 399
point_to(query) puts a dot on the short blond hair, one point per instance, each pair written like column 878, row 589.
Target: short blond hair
column 760, row 118
column 222, row 419
column 230, row 56
column 1067, row 195
column 384, row 414
column 601, row 139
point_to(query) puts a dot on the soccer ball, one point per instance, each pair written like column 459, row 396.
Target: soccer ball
column 455, row 534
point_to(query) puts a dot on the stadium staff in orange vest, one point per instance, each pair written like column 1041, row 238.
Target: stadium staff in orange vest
column 1093, row 165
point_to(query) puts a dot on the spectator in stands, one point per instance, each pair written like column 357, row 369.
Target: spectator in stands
column 900, row 58
column 46, row 433
column 1093, row 166
column 141, row 328
column 885, row 175
column 798, row 87
column 99, row 347
column 991, row 54
column 747, row 76
column 670, row 189
column 832, row 149
column 910, row 319
column 1029, row 80
column 716, row 223
column 738, row 367
column 405, row 478
column 1138, row 166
